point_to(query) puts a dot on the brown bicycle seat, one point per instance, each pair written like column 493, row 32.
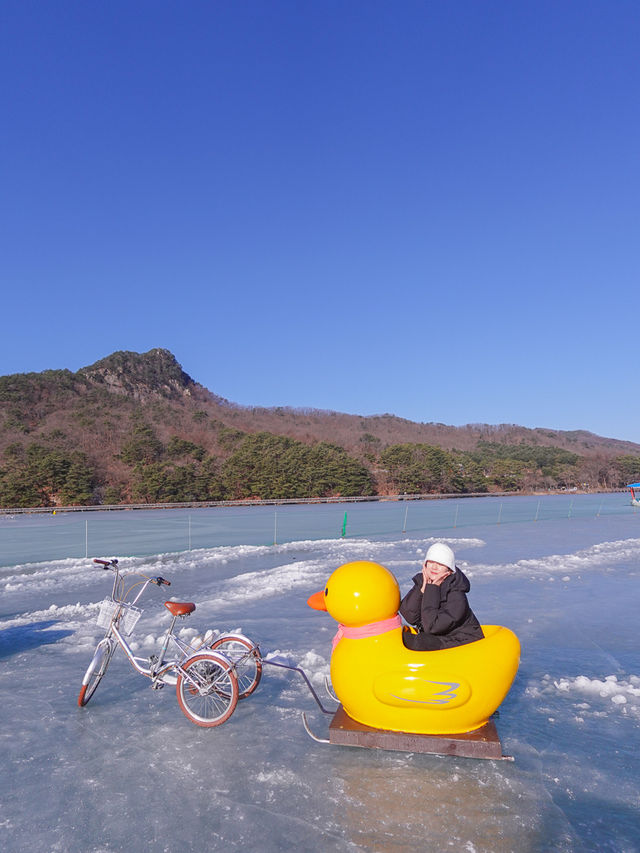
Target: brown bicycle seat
column 179, row 608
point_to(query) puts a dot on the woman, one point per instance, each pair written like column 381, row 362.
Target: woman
column 437, row 604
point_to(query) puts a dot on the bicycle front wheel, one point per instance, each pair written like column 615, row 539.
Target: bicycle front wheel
column 207, row 689
column 97, row 668
column 246, row 661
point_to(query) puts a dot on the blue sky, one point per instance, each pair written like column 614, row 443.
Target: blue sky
column 423, row 208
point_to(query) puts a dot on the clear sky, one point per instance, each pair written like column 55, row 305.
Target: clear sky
column 424, row 208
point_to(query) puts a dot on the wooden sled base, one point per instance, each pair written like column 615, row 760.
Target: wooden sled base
column 482, row 743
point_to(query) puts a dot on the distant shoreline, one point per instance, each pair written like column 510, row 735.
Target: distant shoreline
column 246, row 502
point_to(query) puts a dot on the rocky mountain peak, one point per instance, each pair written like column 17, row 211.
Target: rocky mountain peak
column 141, row 375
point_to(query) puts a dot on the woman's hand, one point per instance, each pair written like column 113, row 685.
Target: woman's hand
column 425, row 577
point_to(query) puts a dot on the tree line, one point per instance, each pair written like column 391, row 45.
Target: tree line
column 259, row 465
column 263, row 465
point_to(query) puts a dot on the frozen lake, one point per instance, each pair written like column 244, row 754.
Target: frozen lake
column 130, row 773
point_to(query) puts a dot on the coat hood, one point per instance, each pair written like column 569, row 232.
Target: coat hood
column 458, row 581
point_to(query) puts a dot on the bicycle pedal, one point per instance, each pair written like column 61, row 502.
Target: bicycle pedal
column 157, row 685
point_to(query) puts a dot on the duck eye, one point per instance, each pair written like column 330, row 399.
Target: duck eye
column 326, row 591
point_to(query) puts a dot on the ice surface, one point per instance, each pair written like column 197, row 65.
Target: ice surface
column 130, row 773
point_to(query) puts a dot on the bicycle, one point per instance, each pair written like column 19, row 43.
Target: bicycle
column 210, row 678
column 207, row 686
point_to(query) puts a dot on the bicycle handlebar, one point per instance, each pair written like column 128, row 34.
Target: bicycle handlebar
column 113, row 564
column 106, row 564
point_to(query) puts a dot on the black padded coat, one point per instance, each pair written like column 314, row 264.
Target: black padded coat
column 442, row 612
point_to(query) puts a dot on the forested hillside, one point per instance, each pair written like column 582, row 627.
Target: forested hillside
column 136, row 428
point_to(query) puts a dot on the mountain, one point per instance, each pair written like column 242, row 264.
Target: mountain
column 136, row 427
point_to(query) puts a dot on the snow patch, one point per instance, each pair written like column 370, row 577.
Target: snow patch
column 597, row 557
column 621, row 693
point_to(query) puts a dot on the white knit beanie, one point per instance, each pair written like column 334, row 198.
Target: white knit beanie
column 441, row 553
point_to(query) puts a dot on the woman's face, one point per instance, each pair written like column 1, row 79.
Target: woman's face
column 436, row 571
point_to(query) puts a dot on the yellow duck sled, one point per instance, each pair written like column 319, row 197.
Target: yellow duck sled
column 382, row 684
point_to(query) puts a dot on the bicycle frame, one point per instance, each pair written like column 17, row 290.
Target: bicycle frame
column 160, row 674
column 167, row 672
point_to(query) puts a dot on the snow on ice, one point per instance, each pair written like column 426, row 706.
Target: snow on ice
column 130, row 773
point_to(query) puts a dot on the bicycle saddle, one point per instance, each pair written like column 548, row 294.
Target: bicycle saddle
column 179, row 608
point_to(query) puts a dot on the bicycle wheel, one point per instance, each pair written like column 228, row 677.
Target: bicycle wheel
column 246, row 661
column 97, row 668
column 207, row 689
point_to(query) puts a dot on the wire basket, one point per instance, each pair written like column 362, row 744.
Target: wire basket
column 128, row 619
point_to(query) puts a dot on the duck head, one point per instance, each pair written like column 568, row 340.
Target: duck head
column 359, row 593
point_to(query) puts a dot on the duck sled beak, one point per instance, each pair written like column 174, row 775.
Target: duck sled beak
column 317, row 600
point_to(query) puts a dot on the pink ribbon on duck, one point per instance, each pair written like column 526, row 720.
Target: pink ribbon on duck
column 370, row 630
